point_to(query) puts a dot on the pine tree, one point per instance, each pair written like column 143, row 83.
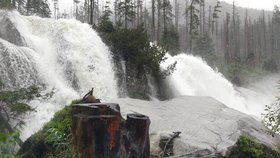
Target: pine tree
column 153, row 20
column 194, row 21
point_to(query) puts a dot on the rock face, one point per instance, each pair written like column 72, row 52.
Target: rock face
column 8, row 30
column 204, row 122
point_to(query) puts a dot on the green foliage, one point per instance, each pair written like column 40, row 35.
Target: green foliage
column 61, row 121
column 233, row 70
column 170, row 39
column 204, row 47
column 5, row 4
column 14, row 104
column 250, row 57
column 28, row 7
column 38, row 7
column 134, row 46
column 167, row 14
column 217, row 10
column 1, row 85
column 272, row 117
column 194, row 18
column 104, row 23
column 270, row 65
column 170, row 69
column 8, row 141
column 248, row 147
column 58, row 140
column 20, row 108
column 126, row 12
column 55, row 135
column 278, row 148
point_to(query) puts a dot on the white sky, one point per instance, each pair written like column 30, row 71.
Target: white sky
column 257, row 4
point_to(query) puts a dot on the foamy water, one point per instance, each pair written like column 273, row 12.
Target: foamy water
column 194, row 77
column 62, row 54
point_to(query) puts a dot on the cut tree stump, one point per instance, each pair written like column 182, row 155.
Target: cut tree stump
column 137, row 136
column 98, row 131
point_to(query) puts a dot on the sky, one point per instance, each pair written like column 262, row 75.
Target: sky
column 257, row 4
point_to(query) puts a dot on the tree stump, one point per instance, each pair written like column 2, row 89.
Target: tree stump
column 99, row 131
column 96, row 130
column 136, row 138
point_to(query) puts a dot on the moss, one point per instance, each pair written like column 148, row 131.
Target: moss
column 278, row 148
column 248, row 147
column 53, row 140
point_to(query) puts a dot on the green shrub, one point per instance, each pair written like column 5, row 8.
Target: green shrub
column 8, row 142
column 248, row 147
column 278, row 148
column 270, row 65
column 53, row 140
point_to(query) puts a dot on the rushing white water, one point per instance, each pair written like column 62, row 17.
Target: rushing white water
column 62, row 54
column 195, row 78
column 70, row 57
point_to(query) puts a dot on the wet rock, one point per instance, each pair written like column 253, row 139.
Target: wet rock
column 8, row 30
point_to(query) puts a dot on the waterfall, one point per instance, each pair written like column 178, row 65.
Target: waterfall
column 194, row 77
column 66, row 55
column 69, row 57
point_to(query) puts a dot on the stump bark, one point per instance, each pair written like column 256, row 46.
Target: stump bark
column 99, row 131
column 136, row 136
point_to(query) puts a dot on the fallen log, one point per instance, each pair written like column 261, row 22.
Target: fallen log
column 168, row 147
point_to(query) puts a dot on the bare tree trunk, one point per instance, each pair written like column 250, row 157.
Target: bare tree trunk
column 227, row 44
column 164, row 15
column 210, row 19
column 203, row 18
column 153, row 20
column 91, row 11
column 176, row 15
column 159, row 20
column 200, row 19
column 116, row 10
column 264, row 33
column 191, row 23
column 187, row 26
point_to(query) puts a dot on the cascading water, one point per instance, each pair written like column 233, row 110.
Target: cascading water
column 195, row 78
column 62, row 54
column 70, row 57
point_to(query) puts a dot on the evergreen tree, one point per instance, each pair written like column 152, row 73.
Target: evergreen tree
column 126, row 12
column 170, row 39
column 5, row 4
column 276, row 33
column 194, row 20
column 104, row 23
column 204, row 47
column 37, row 7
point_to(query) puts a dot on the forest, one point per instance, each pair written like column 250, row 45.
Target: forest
column 228, row 41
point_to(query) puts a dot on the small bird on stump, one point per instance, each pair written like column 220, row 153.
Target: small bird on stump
column 90, row 98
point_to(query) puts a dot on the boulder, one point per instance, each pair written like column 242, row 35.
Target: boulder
column 8, row 30
column 204, row 122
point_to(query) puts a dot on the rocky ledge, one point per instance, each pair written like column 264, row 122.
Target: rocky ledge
column 206, row 125
column 208, row 129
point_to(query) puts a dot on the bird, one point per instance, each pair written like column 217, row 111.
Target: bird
column 90, row 98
